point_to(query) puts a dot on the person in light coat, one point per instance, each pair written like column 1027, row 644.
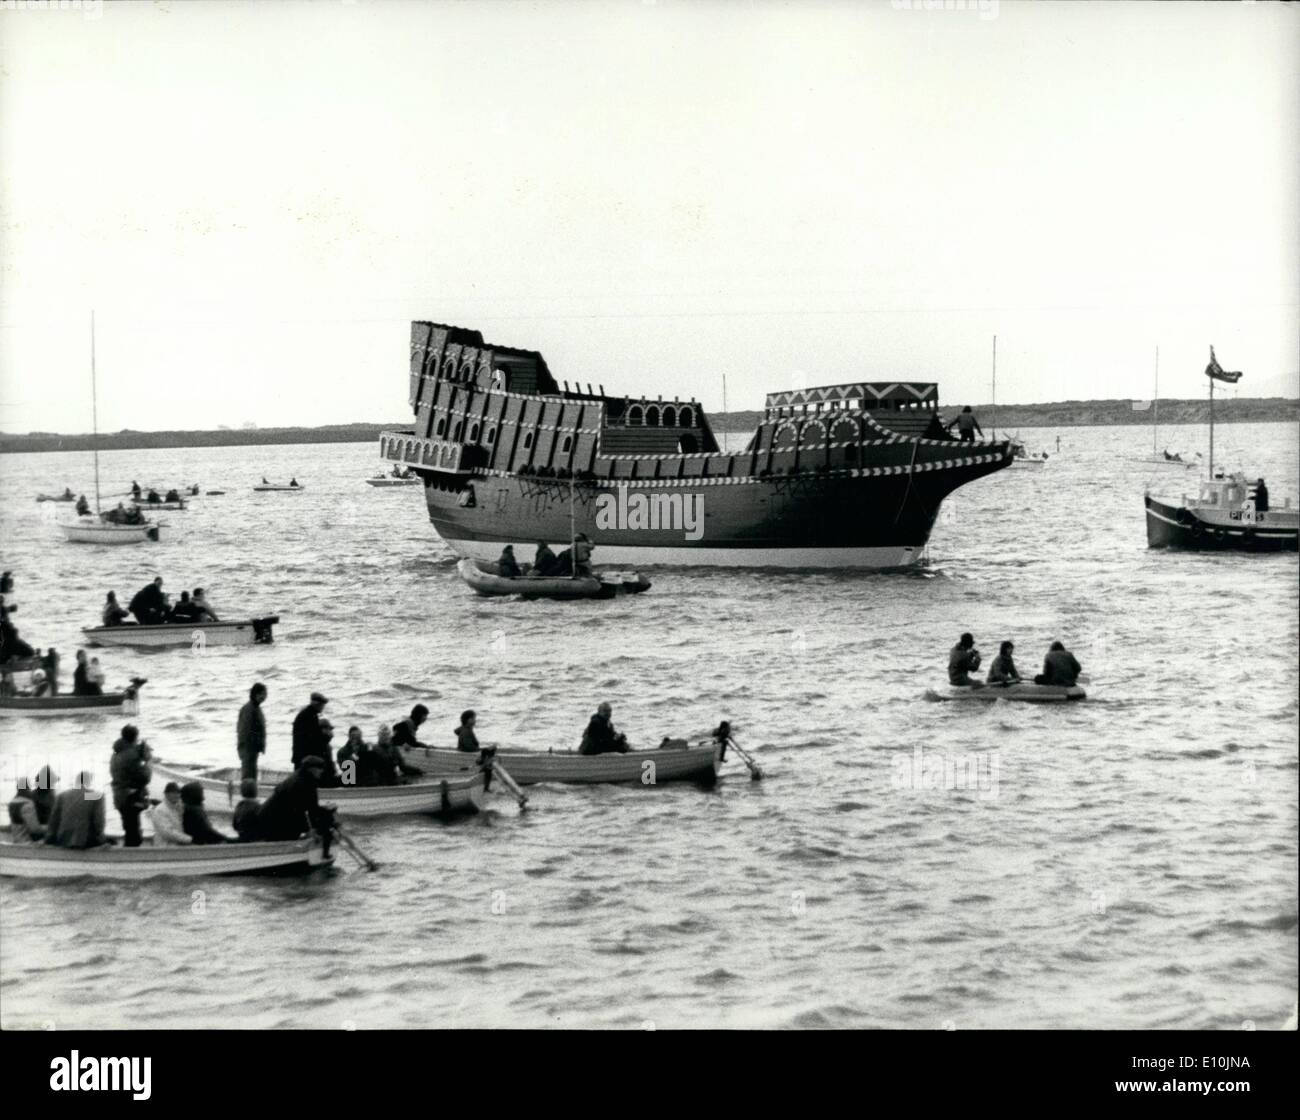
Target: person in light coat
column 168, row 831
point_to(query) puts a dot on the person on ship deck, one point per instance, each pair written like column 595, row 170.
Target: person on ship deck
column 1260, row 494
column 1059, row 667
column 966, row 425
column 963, row 660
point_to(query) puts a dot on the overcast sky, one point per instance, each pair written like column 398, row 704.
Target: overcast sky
column 257, row 198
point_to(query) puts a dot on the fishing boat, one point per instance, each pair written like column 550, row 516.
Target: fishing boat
column 44, row 861
column 276, row 488
column 246, row 632
column 1159, row 457
column 1230, row 513
column 124, row 703
column 847, row 475
column 1025, row 692
column 451, row 795
column 676, row 761
column 1024, row 459
column 485, row 578
column 101, row 529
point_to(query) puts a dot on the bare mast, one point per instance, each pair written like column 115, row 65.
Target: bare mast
column 94, row 409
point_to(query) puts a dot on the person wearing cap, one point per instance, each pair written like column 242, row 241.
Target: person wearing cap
column 168, row 822
column 194, row 818
column 1002, row 669
column 250, row 732
column 307, row 740
column 244, row 820
column 294, row 807
column 77, row 819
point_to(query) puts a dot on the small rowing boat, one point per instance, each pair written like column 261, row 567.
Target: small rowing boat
column 675, row 761
column 44, row 861
column 268, row 487
column 177, row 504
column 247, row 632
column 124, row 703
column 55, row 498
column 483, row 577
column 442, row 796
column 87, row 530
column 1026, row 691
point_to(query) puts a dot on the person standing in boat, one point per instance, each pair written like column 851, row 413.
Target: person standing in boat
column 600, row 736
column 51, row 664
column 507, row 565
column 250, row 732
column 308, row 742
column 168, row 820
column 149, row 604
column 966, row 426
column 466, row 740
column 77, row 818
column 1003, row 670
column 131, row 774
column 1260, row 494
column 963, row 660
column 1059, row 667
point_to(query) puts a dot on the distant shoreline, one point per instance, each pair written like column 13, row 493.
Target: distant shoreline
column 1063, row 414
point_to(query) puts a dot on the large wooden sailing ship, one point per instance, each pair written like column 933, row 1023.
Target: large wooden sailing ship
column 848, row 475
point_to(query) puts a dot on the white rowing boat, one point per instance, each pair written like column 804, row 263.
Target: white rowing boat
column 124, row 703
column 442, row 796
column 246, row 632
column 44, row 861
column 679, row 761
column 268, row 488
column 1026, row 691
column 87, row 530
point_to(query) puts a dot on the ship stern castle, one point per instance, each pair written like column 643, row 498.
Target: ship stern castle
column 840, row 476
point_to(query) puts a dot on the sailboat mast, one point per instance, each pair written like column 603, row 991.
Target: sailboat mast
column 993, row 406
column 94, row 409
column 1211, row 427
column 1155, row 430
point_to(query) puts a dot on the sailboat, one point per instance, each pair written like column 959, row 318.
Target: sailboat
column 1020, row 457
column 98, row 529
column 1231, row 513
column 1158, row 457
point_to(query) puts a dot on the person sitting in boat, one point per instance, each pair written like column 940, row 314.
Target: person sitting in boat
column 507, row 565
column 183, row 611
column 582, row 550
column 330, row 777
column 963, row 660
column 135, row 492
column 202, row 608
column 40, row 683
column 387, row 760
column 1260, row 494
column 25, row 825
column 1174, row 458
column 194, row 818
column 172, row 496
column 600, row 736
column 264, row 482
column 466, row 740
column 81, row 682
column 356, row 761
column 545, row 561
column 307, row 739
column 95, row 675
column 294, row 807
column 113, row 614
column 293, row 482
column 244, row 820
column 966, row 426
column 1002, row 670
column 149, row 604
column 153, row 498
column 77, row 818
column 168, row 819
column 131, row 774
column 50, row 663
column 404, row 731
column 43, row 793
column 194, row 489
column 83, row 506
column 1059, row 667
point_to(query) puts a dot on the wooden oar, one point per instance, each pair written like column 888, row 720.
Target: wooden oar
column 510, row 783
column 755, row 771
column 347, row 842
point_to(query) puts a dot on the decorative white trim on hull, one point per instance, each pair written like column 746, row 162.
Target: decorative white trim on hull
column 897, row 556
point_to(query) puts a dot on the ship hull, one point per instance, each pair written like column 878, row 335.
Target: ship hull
column 1181, row 527
column 858, row 519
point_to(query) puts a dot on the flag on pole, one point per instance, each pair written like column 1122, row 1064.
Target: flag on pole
column 1217, row 372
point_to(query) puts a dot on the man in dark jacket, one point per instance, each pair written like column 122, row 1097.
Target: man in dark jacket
column 404, row 731
column 1059, row 667
column 131, row 774
column 507, row 565
column 77, row 819
column 194, row 818
column 963, row 660
column 308, row 742
column 251, row 731
column 294, row 806
column 544, row 561
column 149, row 604
column 600, row 736
column 244, row 819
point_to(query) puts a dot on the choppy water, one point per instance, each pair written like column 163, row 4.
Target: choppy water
column 1129, row 863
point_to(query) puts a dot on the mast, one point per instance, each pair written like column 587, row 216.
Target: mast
column 94, row 409
column 994, row 405
column 1155, row 430
column 724, row 412
column 573, row 535
column 1211, row 427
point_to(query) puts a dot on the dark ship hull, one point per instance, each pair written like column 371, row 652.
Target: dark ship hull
column 842, row 476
